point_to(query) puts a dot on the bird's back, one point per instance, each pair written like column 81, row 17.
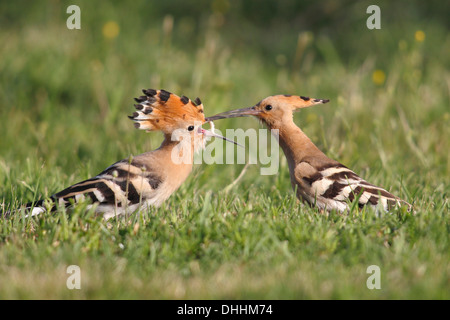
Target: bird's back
column 334, row 186
column 122, row 187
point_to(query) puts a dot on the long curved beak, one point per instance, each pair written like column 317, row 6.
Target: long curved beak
column 208, row 133
column 245, row 112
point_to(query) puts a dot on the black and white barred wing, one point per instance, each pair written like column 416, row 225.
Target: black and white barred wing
column 123, row 187
column 335, row 186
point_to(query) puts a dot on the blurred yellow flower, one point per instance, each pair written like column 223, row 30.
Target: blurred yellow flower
column 419, row 36
column 110, row 30
column 378, row 77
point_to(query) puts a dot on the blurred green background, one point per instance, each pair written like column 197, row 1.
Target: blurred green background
column 65, row 95
column 59, row 86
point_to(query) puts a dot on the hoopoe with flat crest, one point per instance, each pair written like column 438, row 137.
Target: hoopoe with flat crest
column 317, row 179
column 150, row 178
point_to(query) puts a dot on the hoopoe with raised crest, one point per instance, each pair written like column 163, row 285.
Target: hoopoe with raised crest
column 317, row 179
column 150, row 178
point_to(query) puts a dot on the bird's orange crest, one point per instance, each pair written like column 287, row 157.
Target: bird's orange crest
column 165, row 111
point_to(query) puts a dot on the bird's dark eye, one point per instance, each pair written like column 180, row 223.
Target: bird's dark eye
column 269, row 107
column 190, row 128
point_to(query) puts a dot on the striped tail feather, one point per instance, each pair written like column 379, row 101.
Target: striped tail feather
column 31, row 209
column 38, row 207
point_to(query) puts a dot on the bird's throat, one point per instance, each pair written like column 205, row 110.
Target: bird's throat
column 295, row 144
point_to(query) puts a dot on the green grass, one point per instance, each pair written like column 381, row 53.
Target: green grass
column 64, row 98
